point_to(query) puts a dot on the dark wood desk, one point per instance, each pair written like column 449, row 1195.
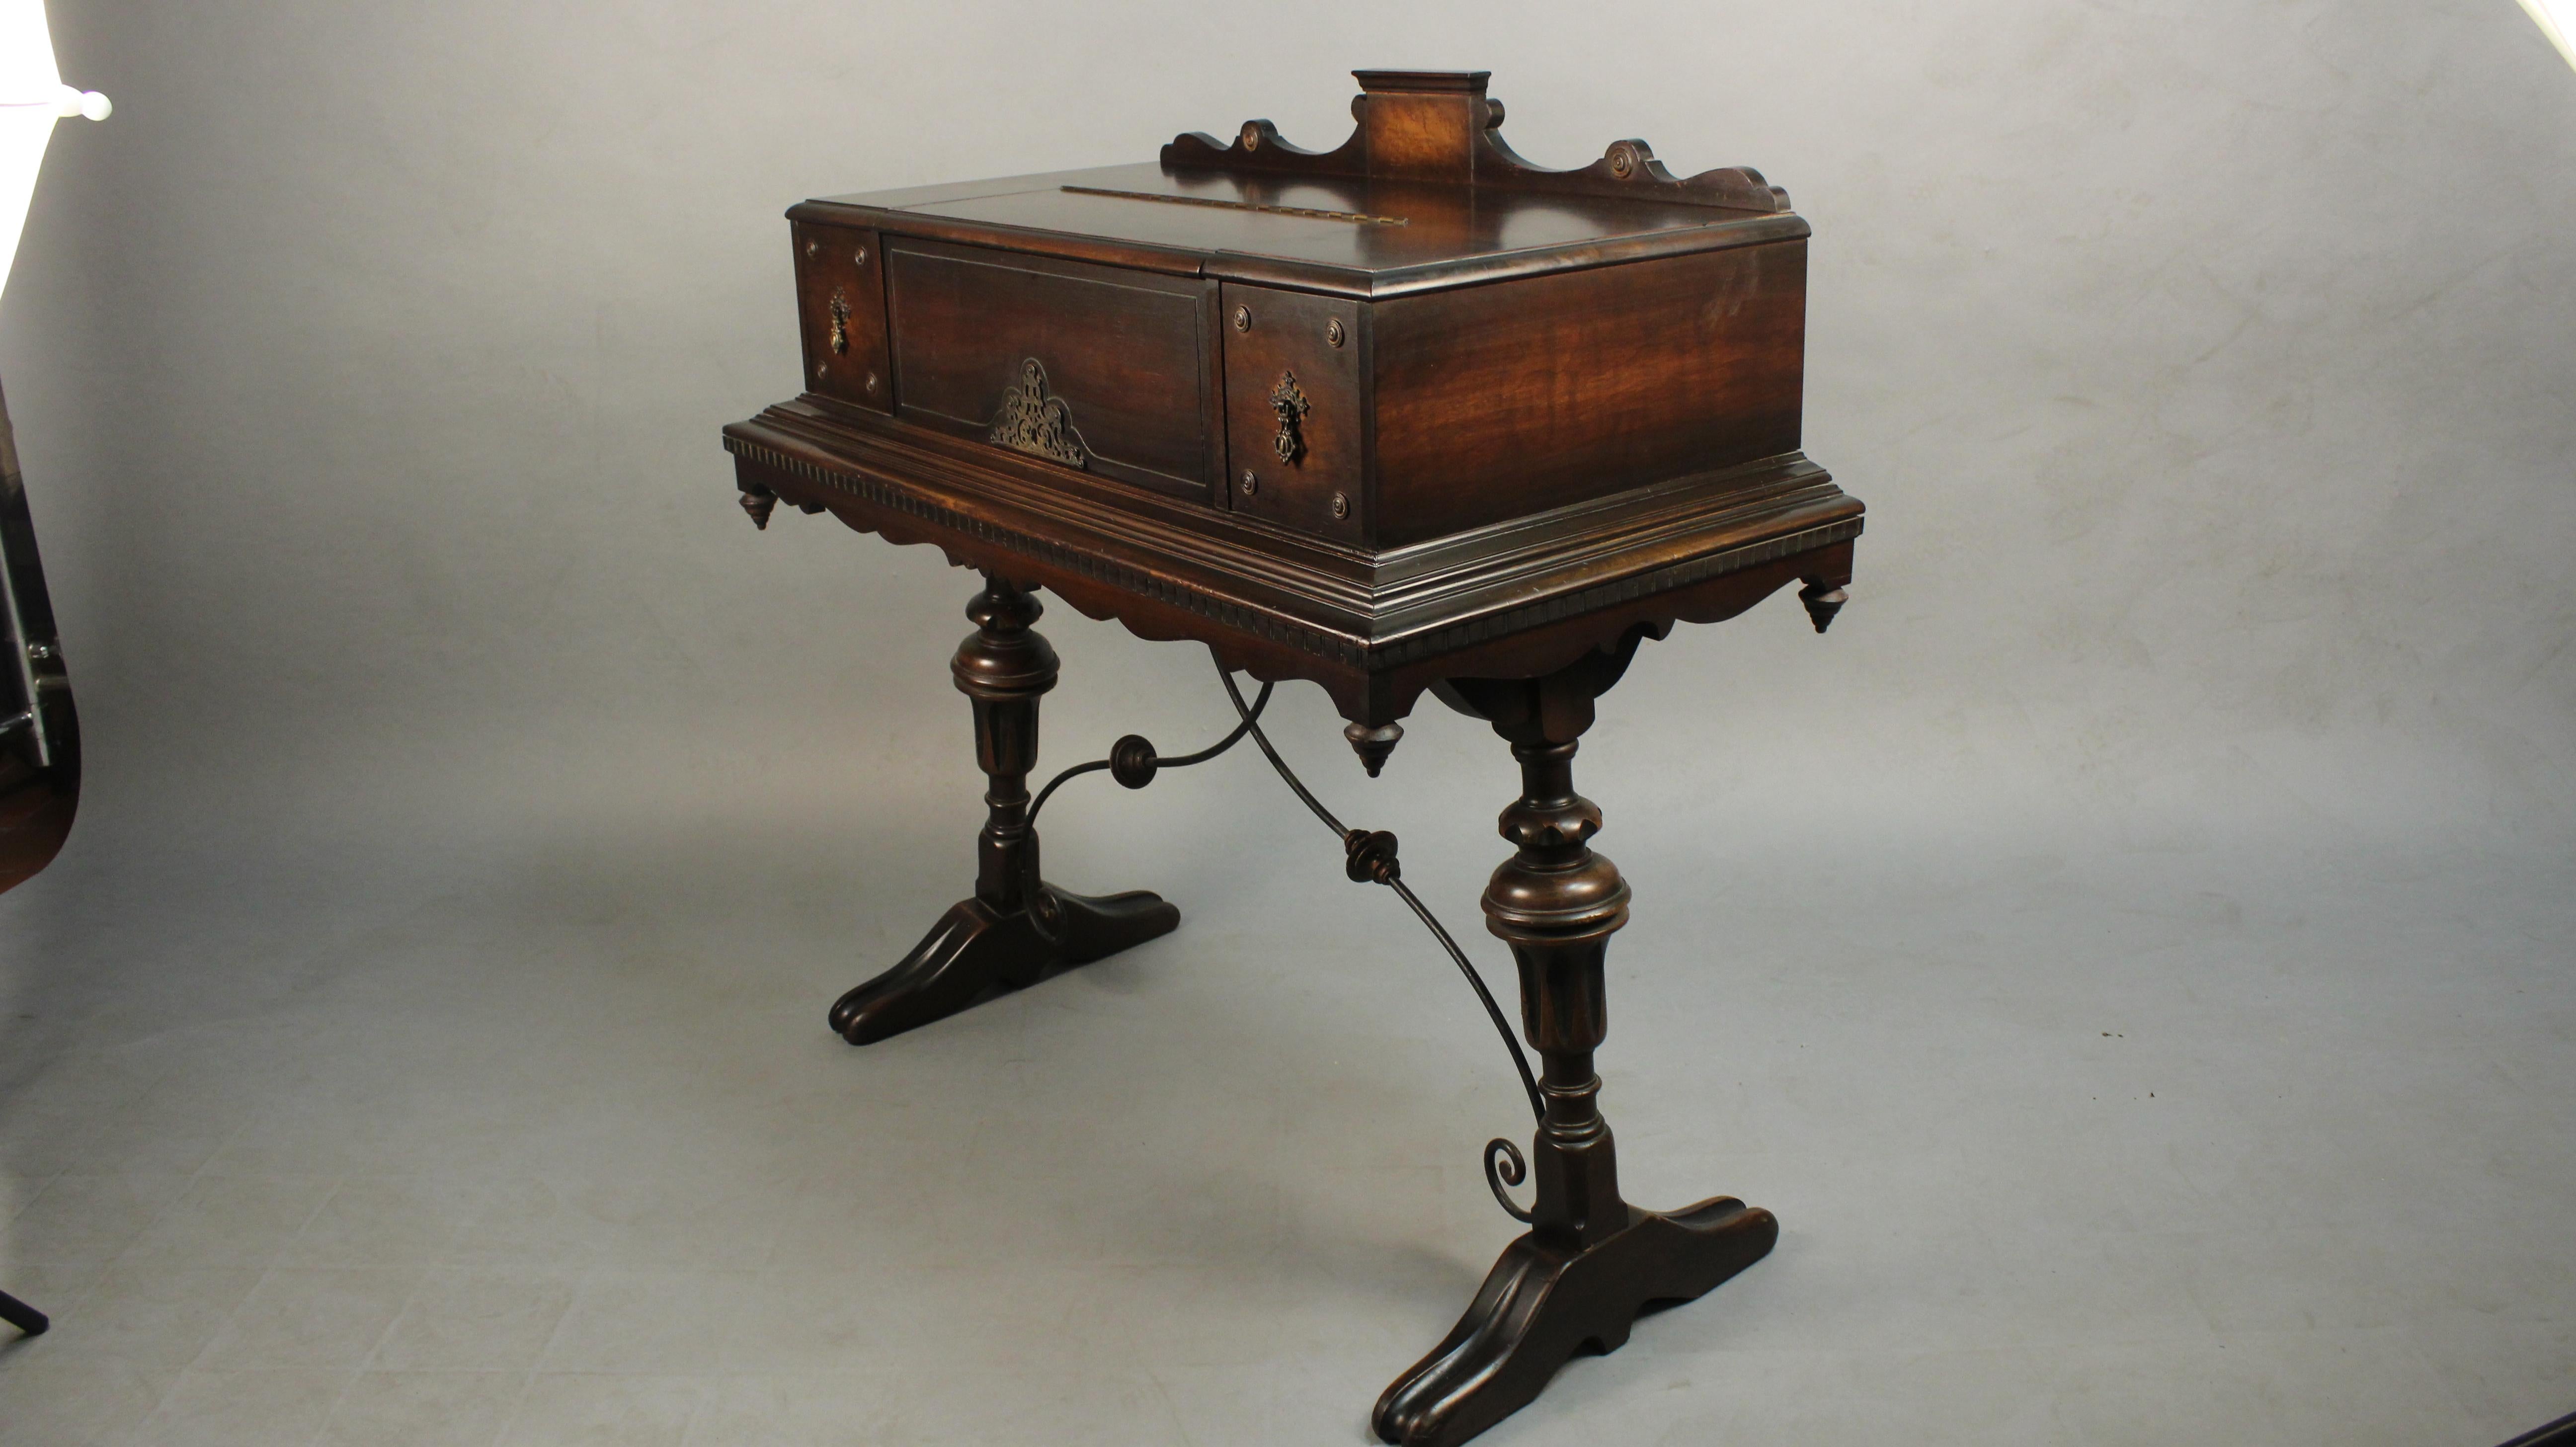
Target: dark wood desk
column 1410, row 415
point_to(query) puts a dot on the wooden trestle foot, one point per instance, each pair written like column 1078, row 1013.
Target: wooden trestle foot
column 1015, row 928
column 1590, row 1261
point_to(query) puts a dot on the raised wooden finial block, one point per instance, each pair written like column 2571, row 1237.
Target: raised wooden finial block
column 1423, row 125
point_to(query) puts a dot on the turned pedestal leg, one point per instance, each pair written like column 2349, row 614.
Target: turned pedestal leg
column 1016, row 927
column 1590, row 1261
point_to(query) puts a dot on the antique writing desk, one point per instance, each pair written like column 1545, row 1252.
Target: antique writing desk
column 1411, row 415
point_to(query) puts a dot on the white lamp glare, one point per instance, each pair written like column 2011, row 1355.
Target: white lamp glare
column 2555, row 18
column 32, row 98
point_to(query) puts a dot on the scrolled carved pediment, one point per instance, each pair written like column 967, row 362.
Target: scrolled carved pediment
column 1440, row 126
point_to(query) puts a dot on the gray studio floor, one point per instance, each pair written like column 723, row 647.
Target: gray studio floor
column 2071, row 1143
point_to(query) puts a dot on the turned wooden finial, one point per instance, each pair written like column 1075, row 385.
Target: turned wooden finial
column 1373, row 744
column 758, row 505
column 1823, row 603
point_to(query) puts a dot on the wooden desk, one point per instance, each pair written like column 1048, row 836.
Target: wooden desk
column 1409, row 415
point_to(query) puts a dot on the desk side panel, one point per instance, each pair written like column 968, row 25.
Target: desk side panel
column 1498, row 401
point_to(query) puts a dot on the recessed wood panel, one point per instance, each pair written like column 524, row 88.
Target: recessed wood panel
column 840, row 304
column 1126, row 353
column 1304, row 351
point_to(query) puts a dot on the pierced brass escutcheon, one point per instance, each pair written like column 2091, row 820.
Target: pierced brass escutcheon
column 840, row 321
column 1030, row 421
column 1288, row 403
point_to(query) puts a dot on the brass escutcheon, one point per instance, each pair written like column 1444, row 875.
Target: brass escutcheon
column 1034, row 421
column 1288, row 403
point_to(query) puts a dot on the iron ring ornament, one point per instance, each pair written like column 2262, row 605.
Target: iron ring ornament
column 1033, row 422
column 1288, row 403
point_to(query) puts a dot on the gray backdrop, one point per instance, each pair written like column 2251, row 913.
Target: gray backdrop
column 2206, row 367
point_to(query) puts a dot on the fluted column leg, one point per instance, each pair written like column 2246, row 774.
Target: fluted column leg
column 1004, row 667
column 1556, row 903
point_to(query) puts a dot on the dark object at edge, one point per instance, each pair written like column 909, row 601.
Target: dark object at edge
column 39, row 735
column 25, row 1318
column 2561, row 1433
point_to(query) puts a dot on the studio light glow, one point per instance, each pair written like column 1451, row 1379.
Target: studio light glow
column 2555, row 18
column 32, row 98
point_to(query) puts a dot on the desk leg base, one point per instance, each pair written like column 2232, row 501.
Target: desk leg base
column 975, row 949
column 1547, row 1299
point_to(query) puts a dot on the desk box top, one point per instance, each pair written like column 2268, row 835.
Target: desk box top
column 1424, row 194
column 1375, row 404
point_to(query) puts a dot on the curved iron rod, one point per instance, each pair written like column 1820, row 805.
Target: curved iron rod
column 1058, row 782
column 1493, row 1011
column 1286, row 774
column 1260, row 701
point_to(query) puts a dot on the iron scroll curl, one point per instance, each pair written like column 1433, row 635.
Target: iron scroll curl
column 1511, row 1172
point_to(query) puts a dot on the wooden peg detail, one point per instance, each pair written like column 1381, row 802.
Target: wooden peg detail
column 1373, row 744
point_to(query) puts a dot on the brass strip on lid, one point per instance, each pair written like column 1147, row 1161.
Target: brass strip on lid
column 1358, row 218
